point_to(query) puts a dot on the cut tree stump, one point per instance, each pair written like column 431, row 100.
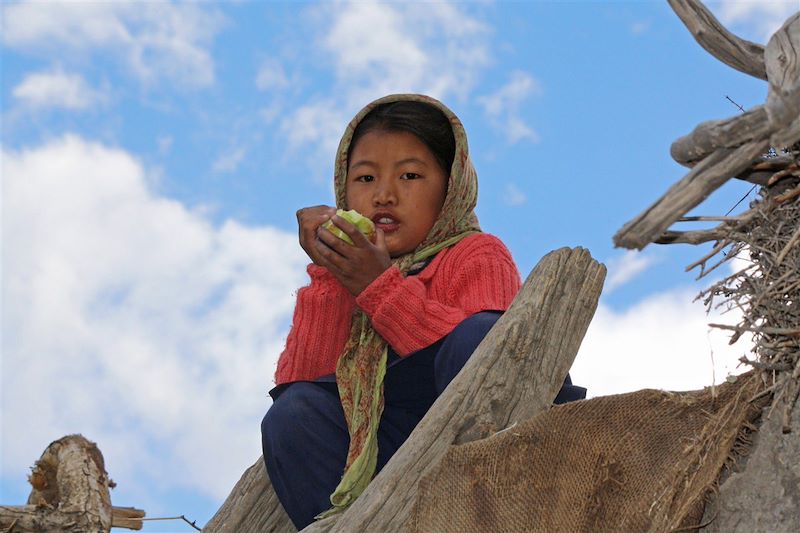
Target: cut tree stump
column 70, row 494
column 513, row 375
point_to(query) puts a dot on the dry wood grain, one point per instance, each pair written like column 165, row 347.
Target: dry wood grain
column 513, row 375
column 783, row 71
column 252, row 506
column 708, row 137
column 741, row 54
column 70, row 493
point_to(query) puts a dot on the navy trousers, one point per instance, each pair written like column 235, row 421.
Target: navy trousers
column 304, row 434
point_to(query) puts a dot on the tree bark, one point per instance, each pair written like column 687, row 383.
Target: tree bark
column 70, row 493
column 514, row 374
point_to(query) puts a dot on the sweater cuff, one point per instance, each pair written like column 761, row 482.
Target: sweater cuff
column 377, row 292
column 320, row 273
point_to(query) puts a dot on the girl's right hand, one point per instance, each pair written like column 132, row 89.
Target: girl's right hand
column 308, row 220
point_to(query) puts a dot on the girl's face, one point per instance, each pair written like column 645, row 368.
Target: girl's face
column 393, row 179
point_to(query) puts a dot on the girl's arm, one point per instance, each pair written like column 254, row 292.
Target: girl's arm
column 322, row 312
column 413, row 312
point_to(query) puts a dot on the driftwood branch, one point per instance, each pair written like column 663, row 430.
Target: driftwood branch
column 743, row 55
column 710, row 136
column 706, row 177
column 70, row 494
column 515, row 373
column 723, row 149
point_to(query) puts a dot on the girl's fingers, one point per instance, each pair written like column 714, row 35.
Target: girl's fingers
column 380, row 240
column 359, row 239
column 333, row 242
column 331, row 259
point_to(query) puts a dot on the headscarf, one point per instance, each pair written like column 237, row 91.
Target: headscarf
column 362, row 366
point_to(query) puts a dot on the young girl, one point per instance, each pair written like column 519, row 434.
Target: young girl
column 386, row 323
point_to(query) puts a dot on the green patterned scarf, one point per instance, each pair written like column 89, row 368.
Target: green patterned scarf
column 362, row 366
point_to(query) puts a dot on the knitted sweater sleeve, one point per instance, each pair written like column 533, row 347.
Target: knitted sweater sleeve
column 413, row 312
column 323, row 309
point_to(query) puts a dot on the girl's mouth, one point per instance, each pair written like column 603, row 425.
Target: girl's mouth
column 386, row 223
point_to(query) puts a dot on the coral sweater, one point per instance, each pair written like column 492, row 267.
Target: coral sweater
column 410, row 313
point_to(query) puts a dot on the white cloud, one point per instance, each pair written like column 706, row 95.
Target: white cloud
column 165, row 144
column 513, row 196
column 755, row 20
column 502, row 107
column 230, row 160
column 640, row 27
column 136, row 321
column 156, row 40
column 271, row 75
column 57, row 89
column 318, row 123
column 379, row 48
column 624, row 268
column 661, row 342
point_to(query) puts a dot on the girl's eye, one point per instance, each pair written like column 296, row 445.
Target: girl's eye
column 365, row 179
column 410, row 176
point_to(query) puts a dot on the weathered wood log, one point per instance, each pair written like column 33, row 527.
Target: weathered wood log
column 251, row 506
column 706, row 177
column 513, row 375
column 741, row 54
column 708, row 137
column 783, row 71
column 70, row 493
column 515, row 372
column 763, row 491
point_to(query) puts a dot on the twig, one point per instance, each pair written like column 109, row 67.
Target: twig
column 765, row 366
column 690, row 237
column 720, row 246
column 794, row 240
column 782, row 174
column 788, row 195
column 710, row 219
column 770, row 331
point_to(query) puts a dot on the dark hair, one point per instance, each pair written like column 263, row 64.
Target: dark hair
column 423, row 120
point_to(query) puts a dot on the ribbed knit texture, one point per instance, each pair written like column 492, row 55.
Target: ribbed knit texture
column 410, row 313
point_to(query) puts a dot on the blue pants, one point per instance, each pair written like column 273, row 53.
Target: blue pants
column 304, row 434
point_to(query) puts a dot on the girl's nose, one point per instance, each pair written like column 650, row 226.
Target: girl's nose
column 384, row 193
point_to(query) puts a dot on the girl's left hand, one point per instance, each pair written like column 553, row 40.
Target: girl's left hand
column 356, row 265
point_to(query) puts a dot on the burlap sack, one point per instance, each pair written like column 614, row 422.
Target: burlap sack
column 642, row 461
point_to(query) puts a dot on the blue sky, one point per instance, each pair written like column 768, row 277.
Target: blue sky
column 154, row 155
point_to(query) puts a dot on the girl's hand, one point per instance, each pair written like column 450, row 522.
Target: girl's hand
column 308, row 220
column 356, row 265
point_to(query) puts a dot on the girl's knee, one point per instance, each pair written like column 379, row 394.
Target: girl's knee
column 297, row 410
column 459, row 345
column 471, row 331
